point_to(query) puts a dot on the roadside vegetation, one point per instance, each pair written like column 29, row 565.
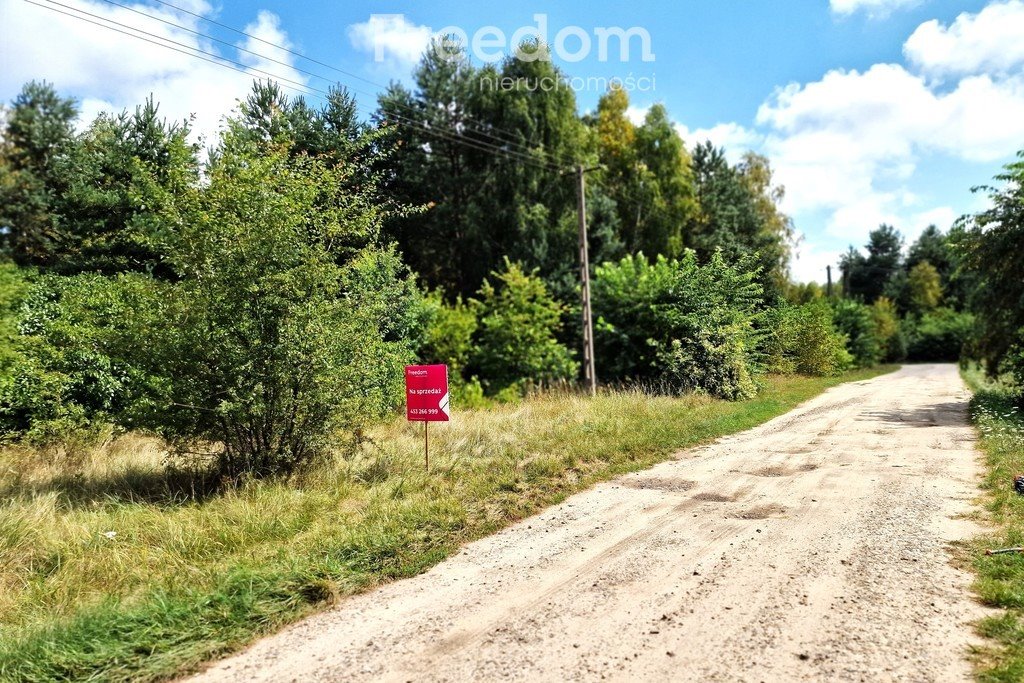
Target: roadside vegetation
column 997, row 414
column 116, row 567
column 992, row 257
column 201, row 353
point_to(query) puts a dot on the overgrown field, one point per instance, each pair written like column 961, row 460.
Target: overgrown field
column 112, row 568
column 996, row 413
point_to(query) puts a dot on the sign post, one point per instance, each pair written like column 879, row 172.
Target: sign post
column 426, row 399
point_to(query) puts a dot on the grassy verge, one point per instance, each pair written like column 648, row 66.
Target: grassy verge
column 113, row 569
column 1000, row 581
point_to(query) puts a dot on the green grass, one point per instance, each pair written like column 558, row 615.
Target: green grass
column 113, row 568
column 996, row 413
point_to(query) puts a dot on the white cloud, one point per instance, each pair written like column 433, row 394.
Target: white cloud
column 874, row 8
column 734, row 138
column 809, row 264
column 271, row 45
column 114, row 71
column 637, row 114
column 850, row 142
column 392, row 39
column 991, row 41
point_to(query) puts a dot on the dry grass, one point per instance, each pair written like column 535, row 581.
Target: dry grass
column 114, row 567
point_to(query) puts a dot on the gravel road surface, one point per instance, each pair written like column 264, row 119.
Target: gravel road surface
column 814, row 547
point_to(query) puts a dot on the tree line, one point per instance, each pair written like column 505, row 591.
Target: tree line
column 254, row 302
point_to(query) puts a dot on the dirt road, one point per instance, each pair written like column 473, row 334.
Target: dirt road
column 811, row 548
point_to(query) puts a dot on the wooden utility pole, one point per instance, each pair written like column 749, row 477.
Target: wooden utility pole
column 589, row 372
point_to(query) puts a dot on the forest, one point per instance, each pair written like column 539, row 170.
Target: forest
column 252, row 302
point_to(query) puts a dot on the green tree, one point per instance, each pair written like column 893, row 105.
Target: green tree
column 678, row 325
column 990, row 245
column 37, row 137
column 856, row 322
column 268, row 116
column 938, row 335
column 448, row 333
column 867, row 278
column 517, row 337
column 481, row 205
column 667, row 195
column 820, row 348
column 924, row 287
column 124, row 177
column 888, row 330
column 738, row 214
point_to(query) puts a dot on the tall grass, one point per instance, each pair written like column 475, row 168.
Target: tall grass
column 995, row 411
column 115, row 567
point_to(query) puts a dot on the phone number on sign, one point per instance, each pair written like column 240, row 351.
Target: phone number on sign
column 424, row 411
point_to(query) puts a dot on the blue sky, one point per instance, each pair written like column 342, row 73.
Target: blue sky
column 870, row 110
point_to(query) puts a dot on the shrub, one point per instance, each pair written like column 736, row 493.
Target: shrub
column 290, row 327
column 81, row 356
column 517, row 336
column 938, row 336
column 820, row 349
column 14, row 285
column 1013, row 364
column 679, row 325
column 855, row 320
column 287, row 328
column 891, row 336
column 448, row 338
column 780, row 342
column 448, row 332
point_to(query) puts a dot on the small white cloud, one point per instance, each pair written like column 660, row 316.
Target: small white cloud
column 391, row 39
column 873, row 8
column 271, row 45
column 809, row 264
column 734, row 138
column 637, row 114
column 941, row 217
column 991, row 41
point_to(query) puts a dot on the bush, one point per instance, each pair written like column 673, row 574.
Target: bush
column 679, row 325
column 891, row 336
column 14, row 286
column 780, row 342
column 938, row 336
column 81, row 358
column 803, row 339
column 517, row 340
column 448, row 338
column 290, row 327
column 287, row 328
column 855, row 320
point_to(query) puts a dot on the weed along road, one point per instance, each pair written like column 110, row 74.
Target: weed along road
column 814, row 547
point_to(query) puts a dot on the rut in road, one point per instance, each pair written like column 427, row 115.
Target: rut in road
column 814, row 547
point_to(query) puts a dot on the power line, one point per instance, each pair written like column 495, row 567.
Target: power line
column 519, row 146
column 456, row 136
column 189, row 50
column 491, row 130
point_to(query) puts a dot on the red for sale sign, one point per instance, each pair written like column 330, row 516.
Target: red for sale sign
column 426, row 393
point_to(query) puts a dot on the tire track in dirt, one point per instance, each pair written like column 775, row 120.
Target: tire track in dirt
column 813, row 547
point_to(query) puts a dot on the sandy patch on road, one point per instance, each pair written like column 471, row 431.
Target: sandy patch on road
column 814, row 547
